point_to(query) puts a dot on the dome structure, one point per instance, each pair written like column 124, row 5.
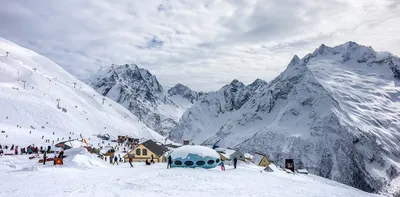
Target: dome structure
column 194, row 156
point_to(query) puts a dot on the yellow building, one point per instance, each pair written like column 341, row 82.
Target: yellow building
column 261, row 160
column 145, row 151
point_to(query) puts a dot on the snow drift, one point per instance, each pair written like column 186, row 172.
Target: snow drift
column 80, row 158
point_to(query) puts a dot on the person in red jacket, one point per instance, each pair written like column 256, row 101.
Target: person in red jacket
column 130, row 161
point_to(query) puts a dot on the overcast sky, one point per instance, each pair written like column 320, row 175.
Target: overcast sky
column 204, row 44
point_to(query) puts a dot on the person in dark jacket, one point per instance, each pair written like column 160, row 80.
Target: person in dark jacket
column 169, row 162
column 44, row 159
column 234, row 162
column 151, row 159
column 147, row 162
column 115, row 160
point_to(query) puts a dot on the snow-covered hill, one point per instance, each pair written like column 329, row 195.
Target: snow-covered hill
column 140, row 92
column 85, row 175
column 31, row 86
column 335, row 112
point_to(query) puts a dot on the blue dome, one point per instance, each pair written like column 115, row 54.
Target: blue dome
column 194, row 156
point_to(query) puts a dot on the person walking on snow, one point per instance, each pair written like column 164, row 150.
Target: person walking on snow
column 111, row 159
column 222, row 166
column 151, row 159
column 169, row 162
column 130, row 161
column 44, row 158
column 234, row 162
column 115, row 160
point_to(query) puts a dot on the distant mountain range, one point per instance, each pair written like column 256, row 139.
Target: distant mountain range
column 335, row 111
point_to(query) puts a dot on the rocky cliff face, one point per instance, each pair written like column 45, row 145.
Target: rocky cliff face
column 183, row 95
column 334, row 111
column 140, row 92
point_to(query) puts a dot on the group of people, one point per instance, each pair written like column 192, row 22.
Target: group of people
column 31, row 149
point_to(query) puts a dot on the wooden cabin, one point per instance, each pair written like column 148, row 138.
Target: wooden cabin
column 145, row 150
column 260, row 160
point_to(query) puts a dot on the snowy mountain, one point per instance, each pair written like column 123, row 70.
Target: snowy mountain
column 39, row 101
column 183, row 95
column 335, row 112
column 140, row 92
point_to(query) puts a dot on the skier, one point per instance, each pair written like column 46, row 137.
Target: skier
column 169, row 162
column 44, row 158
column 16, row 150
column 111, row 158
column 116, row 160
column 234, row 162
column 130, row 161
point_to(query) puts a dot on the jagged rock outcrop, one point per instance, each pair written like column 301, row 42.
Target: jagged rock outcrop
column 140, row 92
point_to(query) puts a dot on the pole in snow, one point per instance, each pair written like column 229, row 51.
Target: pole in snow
column 58, row 103
column 23, row 81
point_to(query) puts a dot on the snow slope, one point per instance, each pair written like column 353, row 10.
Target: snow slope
column 335, row 112
column 34, row 109
column 156, row 180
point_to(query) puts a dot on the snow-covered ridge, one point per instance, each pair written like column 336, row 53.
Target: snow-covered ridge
column 334, row 111
column 140, row 92
column 41, row 98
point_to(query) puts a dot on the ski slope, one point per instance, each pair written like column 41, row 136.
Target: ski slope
column 36, row 111
column 84, row 175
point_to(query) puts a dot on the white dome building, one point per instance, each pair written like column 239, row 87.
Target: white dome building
column 194, row 156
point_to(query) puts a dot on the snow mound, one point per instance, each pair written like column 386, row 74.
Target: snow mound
column 203, row 151
column 80, row 158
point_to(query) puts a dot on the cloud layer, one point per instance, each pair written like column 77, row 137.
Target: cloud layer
column 204, row 44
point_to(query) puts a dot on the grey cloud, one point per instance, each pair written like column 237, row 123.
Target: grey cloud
column 206, row 43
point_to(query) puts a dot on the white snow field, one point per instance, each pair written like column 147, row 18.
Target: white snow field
column 35, row 106
column 85, row 175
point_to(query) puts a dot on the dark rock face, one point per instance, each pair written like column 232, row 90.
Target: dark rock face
column 184, row 92
column 139, row 91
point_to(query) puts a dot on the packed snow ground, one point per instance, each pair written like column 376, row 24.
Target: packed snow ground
column 85, row 175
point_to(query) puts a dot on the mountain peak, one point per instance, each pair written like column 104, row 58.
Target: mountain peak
column 295, row 60
column 183, row 91
column 257, row 84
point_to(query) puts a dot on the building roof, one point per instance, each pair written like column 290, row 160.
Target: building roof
column 159, row 150
column 248, row 156
column 226, row 152
column 202, row 151
column 257, row 158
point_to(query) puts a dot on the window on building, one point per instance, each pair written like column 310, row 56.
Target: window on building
column 144, row 151
column 178, row 163
column 210, row 162
column 138, row 151
column 217, row 161
column 200, row 163
column 189, row 163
